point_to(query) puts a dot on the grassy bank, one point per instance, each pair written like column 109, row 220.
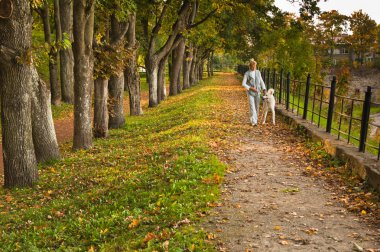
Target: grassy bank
column 143, row 188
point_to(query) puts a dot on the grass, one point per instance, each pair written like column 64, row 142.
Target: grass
column 144, row 188
column 62, row 110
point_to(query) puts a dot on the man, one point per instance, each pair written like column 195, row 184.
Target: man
column 254, row 84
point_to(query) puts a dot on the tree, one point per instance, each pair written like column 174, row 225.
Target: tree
column 43, row 131
column 44, row 13
column 20, row 167
column 66, row 54
column 131, row 72
column 363, row 36
column 332, row 25
column 116, row 83
column 155, row 53
column 83, row 72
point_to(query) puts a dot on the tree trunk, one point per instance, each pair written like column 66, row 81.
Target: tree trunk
column 53, row 68
column 179, row 87
column 83, row 72
column 193, row 67
column 172, row 82
column 20, row 166
column 200, row 70
column 131, row 73
column 209, row 67
column 44, row 137
column 151, row 65
column 161, row 86
column 187, row 67
column 177, row 62
column 212, row 63
column 100, row 108
column 116, row 93
column 66, row 54
column 116, row 83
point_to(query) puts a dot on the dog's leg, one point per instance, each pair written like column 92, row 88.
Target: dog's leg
column 265, row 115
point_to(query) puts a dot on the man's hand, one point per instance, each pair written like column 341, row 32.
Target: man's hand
column 253, row 89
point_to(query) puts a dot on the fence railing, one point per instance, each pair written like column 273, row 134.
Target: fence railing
column 346, row 117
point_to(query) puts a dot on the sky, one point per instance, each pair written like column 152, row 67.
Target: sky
column 346, row 7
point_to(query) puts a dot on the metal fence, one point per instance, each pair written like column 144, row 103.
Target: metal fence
column 346, row 117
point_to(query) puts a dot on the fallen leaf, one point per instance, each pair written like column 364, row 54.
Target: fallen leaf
column 134, row 223
column 357, row 248
column 165, row 245
column 59, row 214
column 282, row 242
column 211, row 236
column 149, row 236
column 311, row 231
column 277, row 228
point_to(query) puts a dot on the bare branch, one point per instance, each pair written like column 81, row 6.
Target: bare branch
column 202, row 20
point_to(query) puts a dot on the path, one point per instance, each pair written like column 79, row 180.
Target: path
column 267, row 203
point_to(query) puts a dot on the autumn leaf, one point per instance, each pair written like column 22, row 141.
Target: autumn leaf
column 277, row 228
column 8, row 198
column 133, row 224
column 311, row 231
column 165, row 245
column 211, row 236
column 149, row 236
column 282, row 242
column 59, row 214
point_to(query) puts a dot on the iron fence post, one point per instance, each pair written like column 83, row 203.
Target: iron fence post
column 281, row 80
column 331, row 105
column 365, row 119
column 287, row 91
column 306, row 103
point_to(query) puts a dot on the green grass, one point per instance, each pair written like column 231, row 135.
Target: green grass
column 62, row 110
column 128, row 192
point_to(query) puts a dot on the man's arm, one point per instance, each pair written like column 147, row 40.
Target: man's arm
column 245, row 85
column 263, row 85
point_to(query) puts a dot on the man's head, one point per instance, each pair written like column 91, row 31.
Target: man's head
column 252, row 64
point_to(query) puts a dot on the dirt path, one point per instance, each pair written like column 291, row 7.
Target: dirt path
column 268, row 204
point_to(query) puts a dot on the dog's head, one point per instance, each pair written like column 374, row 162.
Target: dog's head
column 270, row 92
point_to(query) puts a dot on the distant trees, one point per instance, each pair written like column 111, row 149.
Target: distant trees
column 332, row 24
column 364, row 34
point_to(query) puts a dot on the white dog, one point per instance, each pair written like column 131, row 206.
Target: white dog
column 269, row 104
